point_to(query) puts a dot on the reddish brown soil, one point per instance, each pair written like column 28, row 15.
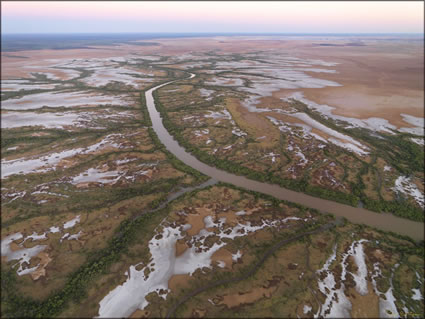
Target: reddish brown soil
column 381, row 79
column 223, row 255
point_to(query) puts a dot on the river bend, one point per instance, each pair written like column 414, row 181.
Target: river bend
column 383, row 221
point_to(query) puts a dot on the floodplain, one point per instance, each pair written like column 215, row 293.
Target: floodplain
column 100, row 219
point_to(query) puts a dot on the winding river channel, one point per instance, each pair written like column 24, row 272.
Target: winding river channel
column 383, row 221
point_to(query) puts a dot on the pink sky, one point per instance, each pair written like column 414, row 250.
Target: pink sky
column 205, row 16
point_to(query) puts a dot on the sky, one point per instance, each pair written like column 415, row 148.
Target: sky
column 212, row 16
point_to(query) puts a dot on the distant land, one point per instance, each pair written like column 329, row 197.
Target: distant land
column 63, row 41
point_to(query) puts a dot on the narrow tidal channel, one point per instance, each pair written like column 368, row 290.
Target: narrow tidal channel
column 383, row 221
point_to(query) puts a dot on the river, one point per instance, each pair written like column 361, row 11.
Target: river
column 383, row 221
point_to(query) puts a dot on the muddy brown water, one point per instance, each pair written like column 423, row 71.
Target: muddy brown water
column 383, row 221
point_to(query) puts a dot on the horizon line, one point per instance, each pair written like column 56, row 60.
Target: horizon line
column 254, row 33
